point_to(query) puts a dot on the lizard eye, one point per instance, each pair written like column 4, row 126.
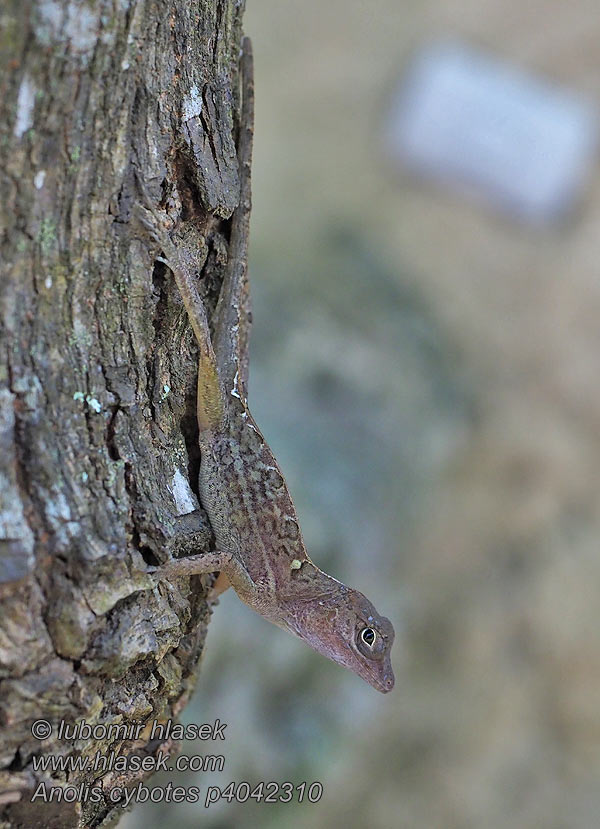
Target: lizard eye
column 368, row 636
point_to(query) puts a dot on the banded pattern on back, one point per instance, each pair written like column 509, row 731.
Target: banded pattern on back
column 248, row 503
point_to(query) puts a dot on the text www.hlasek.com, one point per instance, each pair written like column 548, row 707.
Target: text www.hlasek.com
column 100, row 763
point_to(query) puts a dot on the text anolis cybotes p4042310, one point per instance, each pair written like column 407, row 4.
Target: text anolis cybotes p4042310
column 259, row 543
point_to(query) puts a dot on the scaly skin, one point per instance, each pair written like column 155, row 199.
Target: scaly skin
column 259, row 542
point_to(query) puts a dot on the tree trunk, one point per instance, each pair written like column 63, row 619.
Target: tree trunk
column 98, row 438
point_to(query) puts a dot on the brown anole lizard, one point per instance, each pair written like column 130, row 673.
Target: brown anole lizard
column 259, row 542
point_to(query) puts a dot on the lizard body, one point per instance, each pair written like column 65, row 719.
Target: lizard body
column 258, row 538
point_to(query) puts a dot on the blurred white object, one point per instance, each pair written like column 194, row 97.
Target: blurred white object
column 484, row 126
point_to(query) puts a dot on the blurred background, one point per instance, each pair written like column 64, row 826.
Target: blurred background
column 424, row 366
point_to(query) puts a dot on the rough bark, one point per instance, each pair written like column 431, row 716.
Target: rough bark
column 98, row 457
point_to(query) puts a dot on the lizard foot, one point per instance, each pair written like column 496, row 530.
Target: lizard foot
column 154, row 222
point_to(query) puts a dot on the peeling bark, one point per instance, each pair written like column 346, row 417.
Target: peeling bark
column 98, row 442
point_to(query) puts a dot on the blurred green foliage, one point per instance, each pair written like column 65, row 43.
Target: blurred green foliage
column 426, row 374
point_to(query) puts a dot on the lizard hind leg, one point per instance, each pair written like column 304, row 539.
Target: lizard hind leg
column 210, row 404
column 232, row 316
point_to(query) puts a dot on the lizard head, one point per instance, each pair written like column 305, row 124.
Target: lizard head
column 344, row 626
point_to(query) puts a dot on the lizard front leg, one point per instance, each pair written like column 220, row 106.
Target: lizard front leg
column 226, row 563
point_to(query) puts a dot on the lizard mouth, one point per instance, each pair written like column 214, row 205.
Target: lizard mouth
column 381, row 677
column 384, row 683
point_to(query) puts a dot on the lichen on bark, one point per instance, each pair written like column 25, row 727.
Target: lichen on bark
column 98, row 449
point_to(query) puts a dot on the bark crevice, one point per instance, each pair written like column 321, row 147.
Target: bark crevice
column 98, row 372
